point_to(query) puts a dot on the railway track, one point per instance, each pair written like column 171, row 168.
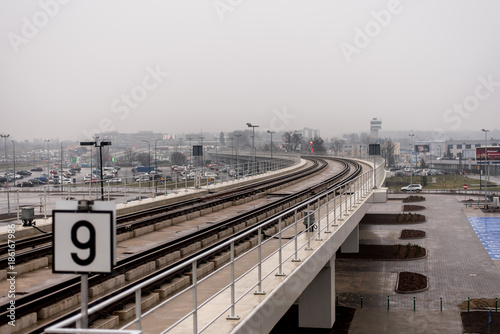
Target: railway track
column 37, row 300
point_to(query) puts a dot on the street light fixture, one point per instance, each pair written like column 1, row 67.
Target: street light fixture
column 61, row 170
column 216, row 142
column 190, row 151
column 253, row 126
column 236, row 149
column 7, row 171
column 99, row 144
column 14, row 159
column 202, row 154
column 149, row 154
column 486, row 174
column 271, row 133
column 411, row 156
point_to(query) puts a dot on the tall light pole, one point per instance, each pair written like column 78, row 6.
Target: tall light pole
column 411, row 157
column 14, row 159
column 236, row 149
column 6, row 171
column 253, row 126
column 202, row 153
column 48, row 156
column 271, row 133
column 486, row 168
column 190, row 151
column 61, row 170
column 156, row 161
column 149, row 154
column 99, row 144
column 216, row 142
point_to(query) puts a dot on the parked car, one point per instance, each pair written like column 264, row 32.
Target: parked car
column 136, row 198
column 37, row 169
column 24, row 184
column 24, row 173
column 115, row 180
column 412, row 187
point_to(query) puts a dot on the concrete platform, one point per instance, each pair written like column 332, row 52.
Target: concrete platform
column 458, row 266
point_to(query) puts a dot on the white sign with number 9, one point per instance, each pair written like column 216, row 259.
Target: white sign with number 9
column 82, row 242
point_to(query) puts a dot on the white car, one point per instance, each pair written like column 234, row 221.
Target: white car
column 412, row 187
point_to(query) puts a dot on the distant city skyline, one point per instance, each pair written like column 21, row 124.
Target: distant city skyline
column 73, row 69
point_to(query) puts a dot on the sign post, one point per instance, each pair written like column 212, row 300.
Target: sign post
column 84, row 242
column 465, row 188
column 374, row 149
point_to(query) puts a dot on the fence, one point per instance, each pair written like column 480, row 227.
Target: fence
column 274, row 243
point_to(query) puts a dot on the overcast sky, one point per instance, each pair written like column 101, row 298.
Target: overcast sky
column 70, row 69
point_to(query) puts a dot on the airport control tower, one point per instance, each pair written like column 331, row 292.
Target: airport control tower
column 375, row 125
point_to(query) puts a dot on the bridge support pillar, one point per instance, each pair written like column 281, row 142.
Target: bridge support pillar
column 317, row 301
column 351, row 243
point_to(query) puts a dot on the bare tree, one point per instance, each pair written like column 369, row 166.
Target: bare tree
column 388, row 148
column 336, row 145
column 292, row 140
column 178, row 158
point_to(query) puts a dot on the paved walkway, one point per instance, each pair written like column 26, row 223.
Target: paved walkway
column 457, row 266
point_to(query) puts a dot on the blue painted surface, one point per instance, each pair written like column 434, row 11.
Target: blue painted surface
column 488, row 231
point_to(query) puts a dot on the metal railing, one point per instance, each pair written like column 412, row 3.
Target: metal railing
column 281, row 239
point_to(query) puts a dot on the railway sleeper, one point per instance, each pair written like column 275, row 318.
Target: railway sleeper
column 202, row 270
column 140, row 271
column 21, row 323
column 128, row 311
column 27, row 267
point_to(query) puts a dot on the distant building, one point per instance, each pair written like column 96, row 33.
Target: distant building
column 310, row 133
column 375, row 125
column 467, row 147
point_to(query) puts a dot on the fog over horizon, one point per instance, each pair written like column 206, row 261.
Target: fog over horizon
column 72, row 69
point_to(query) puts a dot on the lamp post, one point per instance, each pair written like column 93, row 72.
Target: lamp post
column 487, row 170
column 216, row 157
column 236, row 149
column 411, row 156
column 14, row 159
column 6, row 172
column 61, row 169
column 149, row 154
column 156, row 161
column 271, row 133
column 190, row 151
column 99, row 144
column 253, row 126
column 202, row 154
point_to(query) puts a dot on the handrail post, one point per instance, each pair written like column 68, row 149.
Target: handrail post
column 340, row 204
column 327, row 214
column 259, row 289
column 334, row 208
column 296, row 259
column 138, row 310
column 318, row 238
column 233, row 315
column 308, row 228
column 280, row 253
column 195, row 297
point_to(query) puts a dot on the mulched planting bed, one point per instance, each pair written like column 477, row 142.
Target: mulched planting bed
column 409, row 282
column 412, row 234
column 289, row 324
column 477, row 322
column 389, row 218
column 413, row 198
column 409, row 207
column 386, row 252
